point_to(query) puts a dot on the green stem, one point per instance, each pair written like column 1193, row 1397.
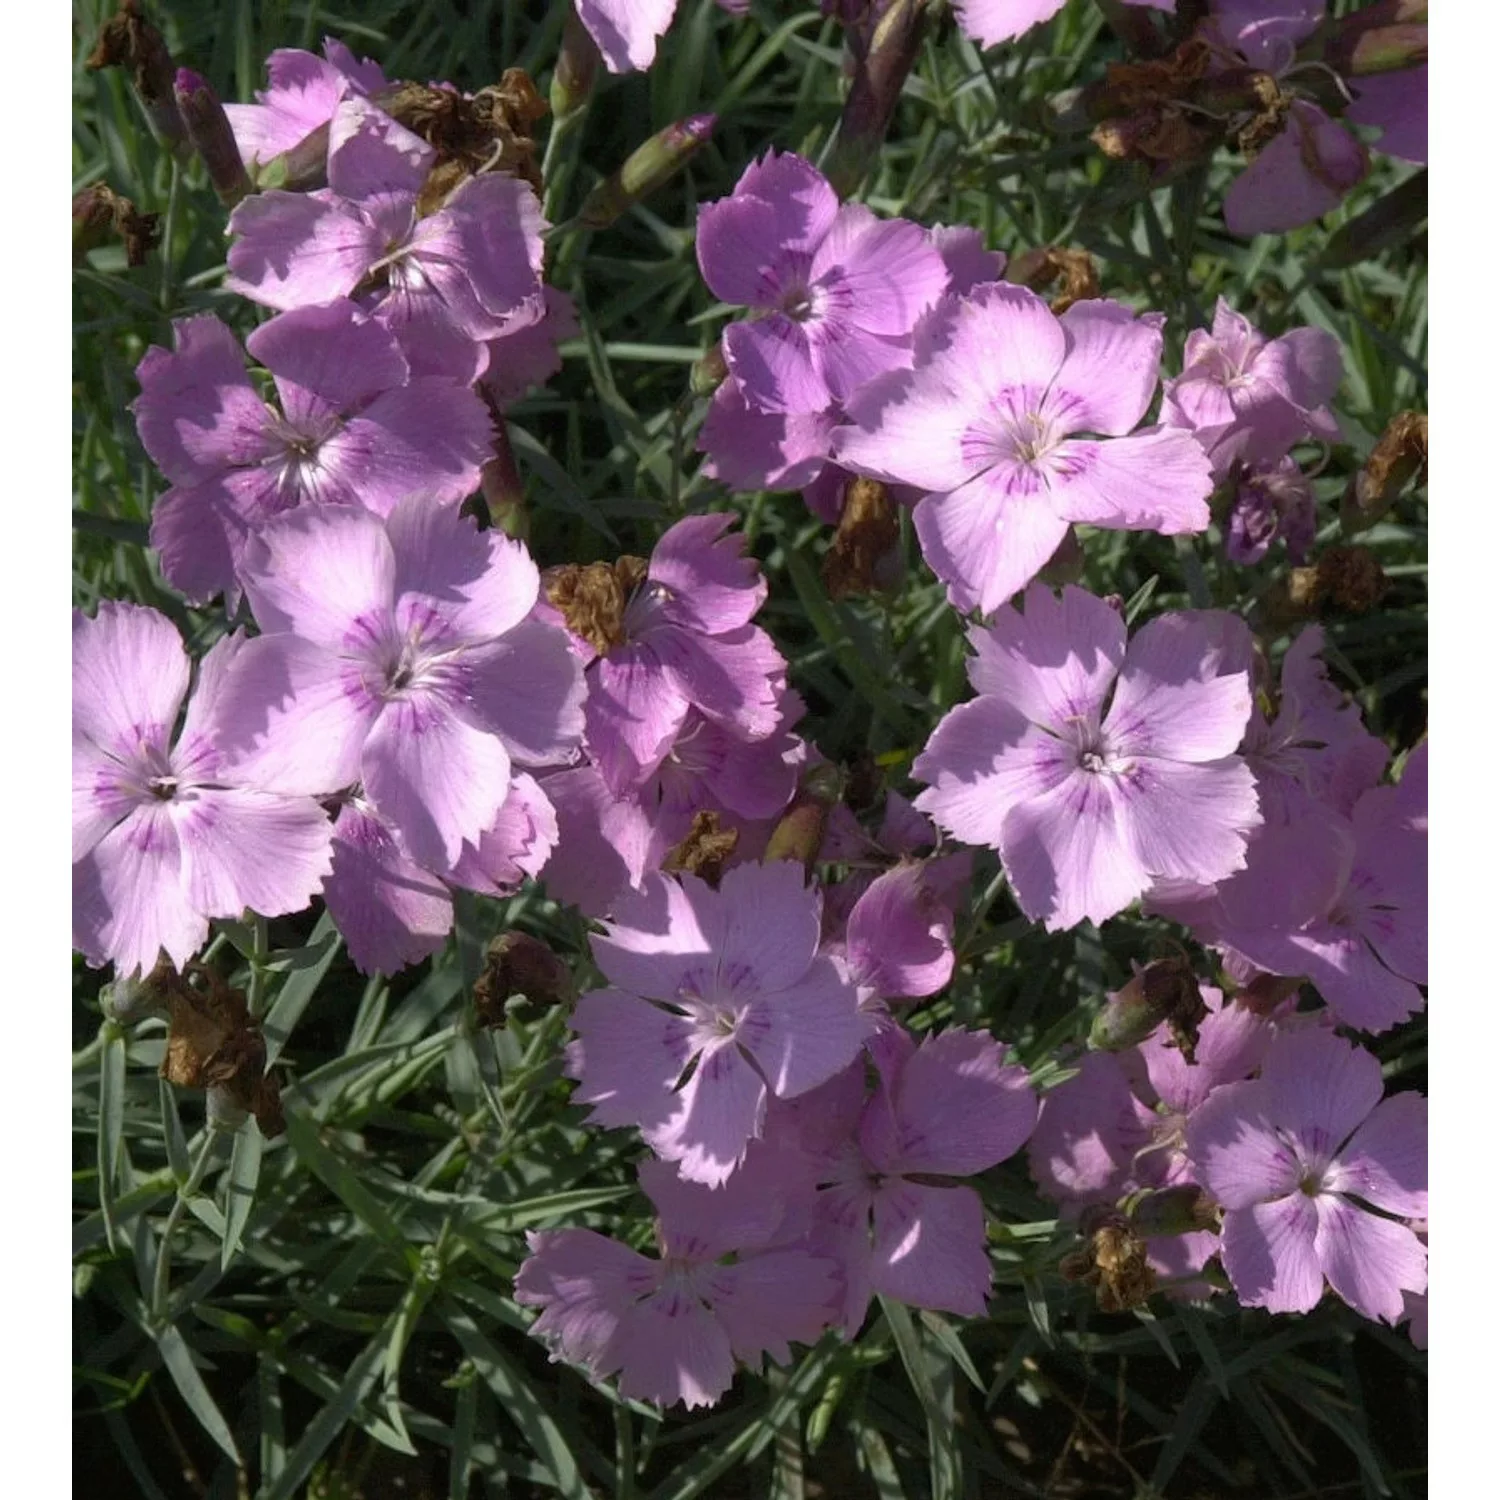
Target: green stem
column 255, row 1000
column 161, row 1282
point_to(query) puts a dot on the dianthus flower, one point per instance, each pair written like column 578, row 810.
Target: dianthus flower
column 1312, row 161
column 304, row 92
column 1341, row 902
column 673, row 1328
column 391, row 911
column 992, row 21
column 1247, row 397
column 671, row 635
column 989, row 423
column 1305, row 1161
column 399, row 653
column 1091, row 768
column 728, row 980
column 1274, row 500
column 353, row 429
column 167, row 835
column 608, row 843
column 946, row 1109
column 443, row 284
column 838, row 291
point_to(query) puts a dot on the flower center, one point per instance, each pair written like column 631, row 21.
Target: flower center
column 163, row 788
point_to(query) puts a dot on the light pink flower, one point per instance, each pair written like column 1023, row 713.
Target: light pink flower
column 399, row 653
column 168, row 833
column 1306, row 1161
column 1249, row 398
column 673, row 1328
column 353, row 429
column 728, row 980
column 991, row 424
column 838, row 291
column 1091, row 768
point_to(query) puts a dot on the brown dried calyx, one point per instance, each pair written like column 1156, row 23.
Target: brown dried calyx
column 705, row 849
column 868, row 533
column 515, row 963
column 128, row 40
column 592, row 597
column 1398, row 459
column 1039, row 269
column 212, row 1043
column 487, row 132
column 1148, row 110
column 99, row 211
column 1348, row 579
column 1112, row 1261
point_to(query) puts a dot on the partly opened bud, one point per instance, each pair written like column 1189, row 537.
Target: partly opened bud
column 799, row 834
column 1165, row 990
column 645, row 170
column 577, row 67
column 209, row 130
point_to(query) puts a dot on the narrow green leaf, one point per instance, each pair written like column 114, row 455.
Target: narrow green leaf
column 935, row 1397
column 329, row 1422
column 239, row 1186
column 178, row 1359
column 1186, row 1425
column 341, row 1180
column 174, row 1137
column 301, row 985
column 519, row 1402
column 111, row 1123
column 461, row 1453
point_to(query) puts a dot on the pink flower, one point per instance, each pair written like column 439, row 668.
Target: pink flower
column 839, row 290
column 1305, row 170
column 1342, row 902
column 673, row 1328
column 399, row 654
column 686, row 642
column 1095, row 769
column 1249, row 398
column 988, row 424
column 466, row 273
column 305, row 90
column 353, row 429
column 168, row 835
column 1306, row 1161
column 948, row 1108
column 898, row 943
column 391, row 911
column 729, row 981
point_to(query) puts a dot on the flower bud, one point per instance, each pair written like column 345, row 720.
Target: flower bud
column 1164, row 990
column 883, row 44
column 129, row 40
column 799, row 834
column 1184, row 1209
column 503, row 489
column 577, row 67
column 515, row 963
column 209, row 130
column 708, row 373
column 130, row 1000
column 645, row 170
